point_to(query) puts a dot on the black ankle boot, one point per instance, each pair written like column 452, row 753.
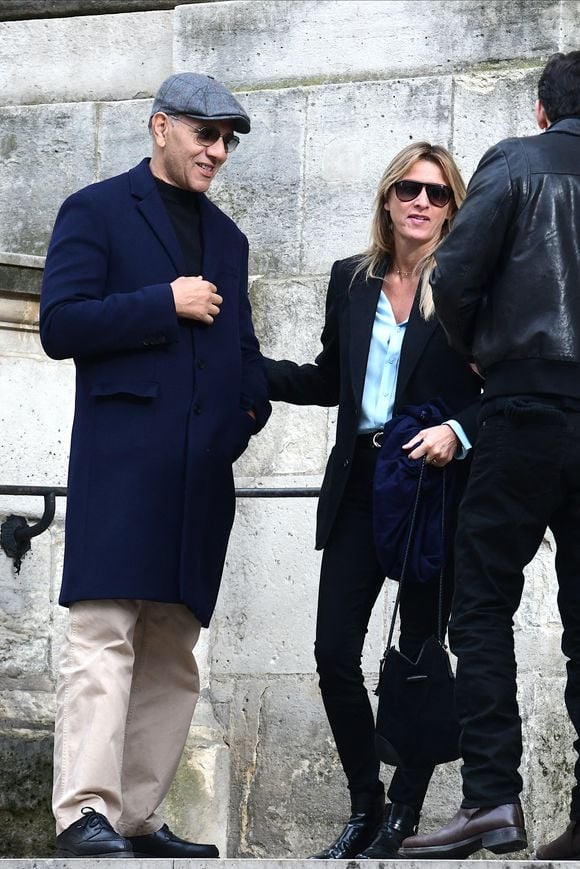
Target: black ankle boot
column 400, row 821
column 360, row 829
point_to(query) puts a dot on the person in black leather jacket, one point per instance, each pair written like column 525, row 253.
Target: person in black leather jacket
column 507, row 291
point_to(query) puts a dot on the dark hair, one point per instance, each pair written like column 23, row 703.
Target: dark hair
column 559, row 86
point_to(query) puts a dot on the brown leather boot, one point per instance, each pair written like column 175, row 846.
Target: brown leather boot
column 498, row 828
column 565, row 847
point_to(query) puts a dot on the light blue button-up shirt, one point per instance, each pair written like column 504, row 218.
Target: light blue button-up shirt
column 381, row 375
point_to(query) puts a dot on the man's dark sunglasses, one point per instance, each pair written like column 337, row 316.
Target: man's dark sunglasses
column 438, row 194
column 207, row 136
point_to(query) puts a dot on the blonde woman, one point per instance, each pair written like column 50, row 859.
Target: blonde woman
column 382, row 349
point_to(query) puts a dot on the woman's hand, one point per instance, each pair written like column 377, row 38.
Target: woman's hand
column 438, row 443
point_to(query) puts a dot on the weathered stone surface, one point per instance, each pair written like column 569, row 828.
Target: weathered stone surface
column 288, row 318
column 273, row 568
column 353, row 130
column 569, row 25
column 253, row 43
column 35, row 438
column 24, row 627
column 284, row 766
column 123, row 136
column 489, row 106
column 548, row 758
column 261, row 186
column 47, row 153
column 102, row 57
column 18, row 10
column 198, row 803
column 18, row 279
column 26, row 825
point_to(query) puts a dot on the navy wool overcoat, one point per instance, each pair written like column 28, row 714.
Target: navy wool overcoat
column 161, row 402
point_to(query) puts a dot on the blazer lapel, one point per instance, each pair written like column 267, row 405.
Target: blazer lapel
column 364, row 297
column 417, row 334
column 151, row 206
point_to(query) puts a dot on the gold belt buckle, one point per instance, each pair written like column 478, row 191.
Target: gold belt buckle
column 377, row 439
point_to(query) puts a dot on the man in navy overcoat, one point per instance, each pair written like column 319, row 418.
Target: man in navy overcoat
column 145, row 287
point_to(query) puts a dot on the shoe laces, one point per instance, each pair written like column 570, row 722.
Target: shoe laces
column 93, row 819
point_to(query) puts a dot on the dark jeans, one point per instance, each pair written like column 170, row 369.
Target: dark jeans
column 525, row 477
column 350, row 582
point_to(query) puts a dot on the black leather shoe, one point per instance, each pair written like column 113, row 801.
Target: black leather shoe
column 92, row 836
column 164, row 843
column 565, row 847
column 360, row 829
column 500, row 829
column 400, row 821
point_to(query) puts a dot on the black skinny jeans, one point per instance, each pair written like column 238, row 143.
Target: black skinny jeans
column 525, row 477
column 350, row 581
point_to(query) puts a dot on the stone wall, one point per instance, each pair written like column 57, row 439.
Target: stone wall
column 334, row 89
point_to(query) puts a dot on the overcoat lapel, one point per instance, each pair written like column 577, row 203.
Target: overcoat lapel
column 212, row 236
column 364, row 297
column 151, row 206
column 417, row 334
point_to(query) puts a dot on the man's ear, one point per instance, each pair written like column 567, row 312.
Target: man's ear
column 159, row 127
column 542, row 119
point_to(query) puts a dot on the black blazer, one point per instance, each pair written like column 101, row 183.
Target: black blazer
column 428, row 369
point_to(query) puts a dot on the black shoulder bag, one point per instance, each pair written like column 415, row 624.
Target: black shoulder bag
column 416, row 721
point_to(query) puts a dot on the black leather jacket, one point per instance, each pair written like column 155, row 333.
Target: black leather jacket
column 507, row 282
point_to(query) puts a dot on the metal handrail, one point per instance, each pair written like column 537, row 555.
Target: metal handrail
column 16, row 533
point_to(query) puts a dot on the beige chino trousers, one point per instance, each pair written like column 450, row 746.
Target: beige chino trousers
column 127, row 687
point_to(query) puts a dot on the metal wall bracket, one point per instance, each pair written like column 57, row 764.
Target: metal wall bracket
column 16, row 533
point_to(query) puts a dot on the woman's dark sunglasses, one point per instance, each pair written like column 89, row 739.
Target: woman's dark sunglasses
column 207, row 136
column 438, row 194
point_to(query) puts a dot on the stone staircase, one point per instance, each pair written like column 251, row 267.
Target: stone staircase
column 251, row 863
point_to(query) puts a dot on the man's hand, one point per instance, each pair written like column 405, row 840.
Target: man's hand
column 438, row 444
column 196, row 299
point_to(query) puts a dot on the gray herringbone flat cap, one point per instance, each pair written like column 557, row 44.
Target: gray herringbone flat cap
column 201, row 96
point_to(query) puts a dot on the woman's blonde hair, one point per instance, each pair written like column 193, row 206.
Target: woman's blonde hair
column 382, row 239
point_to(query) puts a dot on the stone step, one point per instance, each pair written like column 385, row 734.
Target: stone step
column 252, row 863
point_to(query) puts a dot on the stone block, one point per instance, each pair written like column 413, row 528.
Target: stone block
column 257, row 43
column 35, row 439
column 19, row 279
column 48, row 152
column 288, row 318
column 569, row 25
column 548, row 759
column 288, row 792
column 353, row 131
column 123, row 136
column 196, row 806
column 260, row 187
column 24, row 627
column 539, row 607
column 488, row 106
column 272, row 567
column 26, row 824
column 92, row 57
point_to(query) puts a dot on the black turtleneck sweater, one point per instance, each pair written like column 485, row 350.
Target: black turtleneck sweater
column 183, row 209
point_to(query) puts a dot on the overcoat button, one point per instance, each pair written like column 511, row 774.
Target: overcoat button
column 196, row 409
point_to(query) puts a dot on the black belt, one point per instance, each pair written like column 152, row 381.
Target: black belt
column 370, row 441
